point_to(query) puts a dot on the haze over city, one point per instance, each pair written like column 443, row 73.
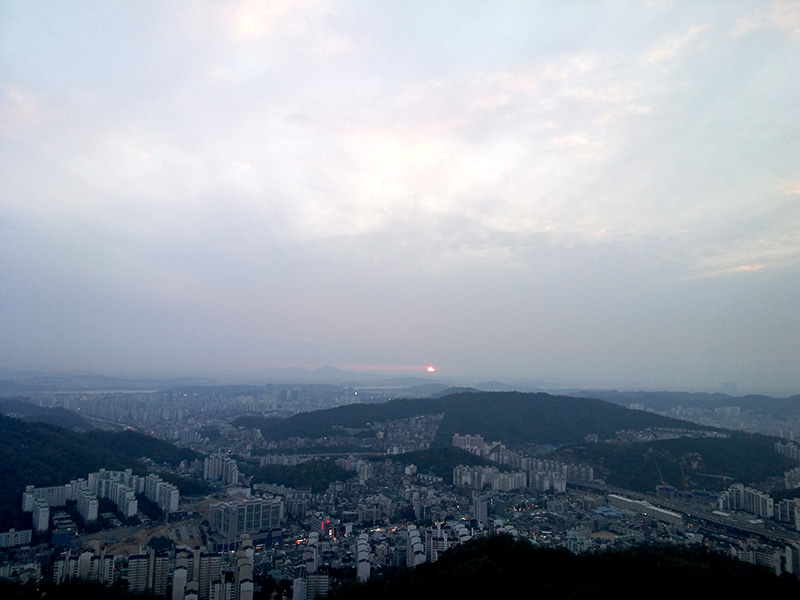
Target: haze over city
column 587, row 193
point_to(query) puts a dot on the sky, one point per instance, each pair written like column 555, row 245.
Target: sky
column 587, row 193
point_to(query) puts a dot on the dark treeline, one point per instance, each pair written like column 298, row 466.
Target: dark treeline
column 501, row 567
column 315, row 475
column 70, row 590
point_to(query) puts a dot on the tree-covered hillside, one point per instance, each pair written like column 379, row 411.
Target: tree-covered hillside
column 519, row 418
column 511, row 417
column 685, row 463
column 21, row 408
column 503, row 567
column 137, row 445
column 45, row 455
column 315, row 475
column 439, row 461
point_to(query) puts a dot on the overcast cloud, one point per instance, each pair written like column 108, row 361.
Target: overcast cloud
column 599, row 193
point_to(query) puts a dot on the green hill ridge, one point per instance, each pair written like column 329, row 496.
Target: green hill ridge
column 511, row 417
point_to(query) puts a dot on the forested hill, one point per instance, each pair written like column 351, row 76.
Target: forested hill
column 516, row 417
column 44, row 455
column 503, row 567
column 511, row 417
column 22, row 408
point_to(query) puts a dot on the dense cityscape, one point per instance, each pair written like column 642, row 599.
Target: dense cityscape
column 241, row 534
column 384, row 300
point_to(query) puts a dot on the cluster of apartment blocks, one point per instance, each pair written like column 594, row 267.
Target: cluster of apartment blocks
column 309, row 583
column 191, row 574
column 426, row 545
column 739, row 497
column 792, row 476
column 534, row 473
column 745, row 499
column 416, row 546
column 121, row 487
column 789, row 449
column 543, row 476
column 221, row 467
column 777, row 560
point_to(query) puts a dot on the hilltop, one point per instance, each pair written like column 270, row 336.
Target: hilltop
column 511, row 417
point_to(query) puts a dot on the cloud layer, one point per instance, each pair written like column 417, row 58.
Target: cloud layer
column 594, row 192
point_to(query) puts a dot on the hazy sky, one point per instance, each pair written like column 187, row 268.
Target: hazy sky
column 599, row 193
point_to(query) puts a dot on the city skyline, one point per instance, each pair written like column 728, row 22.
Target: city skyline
column 591, row 193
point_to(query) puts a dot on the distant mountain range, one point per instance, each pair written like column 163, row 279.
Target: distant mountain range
column 19, row 383
column 668, row 401
column 404, row 382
